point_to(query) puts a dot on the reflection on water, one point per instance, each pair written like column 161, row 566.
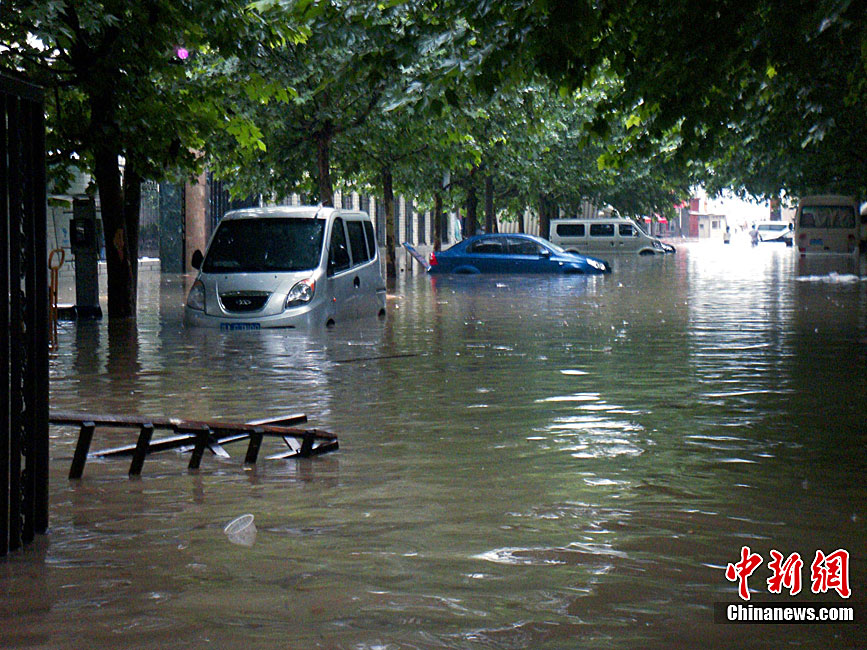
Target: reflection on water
column 524, row 463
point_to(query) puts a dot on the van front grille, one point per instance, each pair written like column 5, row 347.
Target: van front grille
column 244, row 301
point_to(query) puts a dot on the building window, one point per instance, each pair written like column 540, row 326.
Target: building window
column 407, row 219
column 380, row 222
column 422, row 229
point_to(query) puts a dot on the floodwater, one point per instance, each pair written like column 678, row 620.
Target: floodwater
column 524, row 462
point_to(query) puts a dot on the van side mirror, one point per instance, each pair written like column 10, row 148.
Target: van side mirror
column 197, row 259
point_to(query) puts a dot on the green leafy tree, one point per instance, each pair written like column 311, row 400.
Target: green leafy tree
column 307, row 95
column 119, row 101
column 763, row 95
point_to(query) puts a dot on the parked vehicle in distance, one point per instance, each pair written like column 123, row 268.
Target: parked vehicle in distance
column 287, row 267
column 775, row 231
column 827, row 224
column 605, row 235
column 502, row 253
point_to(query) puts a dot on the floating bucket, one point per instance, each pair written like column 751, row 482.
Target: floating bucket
column 241, row 531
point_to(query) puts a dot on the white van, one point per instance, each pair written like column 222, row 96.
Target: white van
column 287, row 267
column 605, row 235
column 827, row 224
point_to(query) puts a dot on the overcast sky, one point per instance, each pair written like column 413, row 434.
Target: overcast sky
column 735, row 209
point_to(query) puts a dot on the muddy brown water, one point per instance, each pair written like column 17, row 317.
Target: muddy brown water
column 525, row 462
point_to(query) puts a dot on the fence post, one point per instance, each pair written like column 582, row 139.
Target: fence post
column 23, row 316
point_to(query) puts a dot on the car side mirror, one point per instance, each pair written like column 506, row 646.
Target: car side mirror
column 545, row 253
column 197, row 259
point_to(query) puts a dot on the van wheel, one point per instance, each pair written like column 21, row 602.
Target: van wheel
column 646, row 252
column 382, row 313
column 329, row 323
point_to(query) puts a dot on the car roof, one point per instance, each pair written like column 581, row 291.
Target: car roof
column 500, row 235
column 303, row 211
column 293, row 211
column 827, row 199
column 612, row 219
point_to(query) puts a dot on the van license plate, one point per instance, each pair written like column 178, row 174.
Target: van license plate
column 232, row 327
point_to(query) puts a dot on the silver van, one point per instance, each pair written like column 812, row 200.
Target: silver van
column 287, row 267
column 605, row 235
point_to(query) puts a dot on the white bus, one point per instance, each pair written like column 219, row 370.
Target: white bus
column 827, row 224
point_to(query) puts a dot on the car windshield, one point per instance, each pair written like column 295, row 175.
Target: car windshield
column 272, row 244
column 640, row 228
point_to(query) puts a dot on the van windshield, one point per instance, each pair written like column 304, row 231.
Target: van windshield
column 259, row 245
column 827, row 216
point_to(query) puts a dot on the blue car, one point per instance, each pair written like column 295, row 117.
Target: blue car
column 512, row 254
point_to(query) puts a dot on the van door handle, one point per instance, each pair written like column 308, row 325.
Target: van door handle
column 356, row 282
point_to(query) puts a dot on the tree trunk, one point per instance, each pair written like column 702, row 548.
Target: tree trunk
column 472, row 209
column 390, row 253
column 323, row 164
column 438, row 222
column 132, row 181
column 121, row 262
column 544, row 216
column 489, row 205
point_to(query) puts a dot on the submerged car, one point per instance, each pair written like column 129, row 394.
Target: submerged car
column 287, row 267
column 775, row 231
column 501, row 253
column 606, row 235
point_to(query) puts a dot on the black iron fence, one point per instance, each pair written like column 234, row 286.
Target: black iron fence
column 219, row 201
column 23, row 317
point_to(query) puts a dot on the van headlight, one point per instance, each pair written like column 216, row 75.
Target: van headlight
column 300, row 294
column 196, row 299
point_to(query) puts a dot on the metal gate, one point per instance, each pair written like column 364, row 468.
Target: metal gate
column 23, row 317
column 219, row 201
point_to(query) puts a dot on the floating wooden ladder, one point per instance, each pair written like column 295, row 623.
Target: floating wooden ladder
column 194, row 436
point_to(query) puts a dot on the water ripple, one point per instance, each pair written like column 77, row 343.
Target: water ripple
column 596, row 558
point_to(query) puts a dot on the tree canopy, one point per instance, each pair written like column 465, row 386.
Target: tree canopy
column 117, row 90
column 765, row 96
column 530, row 102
